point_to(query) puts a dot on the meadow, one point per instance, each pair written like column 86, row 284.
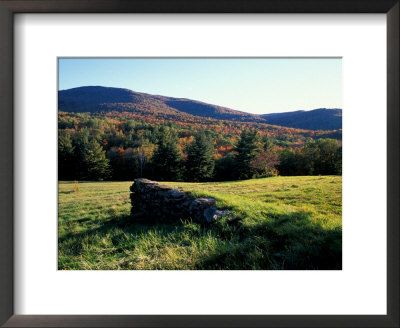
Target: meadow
column 275, row 223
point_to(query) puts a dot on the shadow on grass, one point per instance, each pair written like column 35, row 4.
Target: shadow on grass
column 286, row 242
column 112, row 228
column 124, row 222
column 290, row 242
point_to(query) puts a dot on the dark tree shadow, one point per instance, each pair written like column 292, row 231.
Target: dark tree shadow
column 291, row 242
column 124, row 222
column 287, row 242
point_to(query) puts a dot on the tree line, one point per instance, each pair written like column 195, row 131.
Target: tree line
column 103, row 149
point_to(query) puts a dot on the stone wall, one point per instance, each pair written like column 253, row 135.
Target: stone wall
column 153, row 201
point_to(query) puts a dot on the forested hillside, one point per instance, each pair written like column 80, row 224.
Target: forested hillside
column 117, row 147
column 317, row 119
column 96, row 99
column 119, row 134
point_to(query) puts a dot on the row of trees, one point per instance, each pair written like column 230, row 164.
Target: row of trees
column 321, row 157
column 164, row 153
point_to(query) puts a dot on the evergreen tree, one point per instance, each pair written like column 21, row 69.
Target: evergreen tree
column 247, row 150
column 66, row 163
column 96, row 166
column 167, row 158
column 225, row 168
column 79, row 141
column 200, row 159
column 267, row 143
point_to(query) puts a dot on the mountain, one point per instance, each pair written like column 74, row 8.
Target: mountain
column 317, row 119
column 97, row 99
column 104, row 99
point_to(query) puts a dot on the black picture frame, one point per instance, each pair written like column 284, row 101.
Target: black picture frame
column 7, row 10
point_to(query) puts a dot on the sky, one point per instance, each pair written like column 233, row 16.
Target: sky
column 253, row 85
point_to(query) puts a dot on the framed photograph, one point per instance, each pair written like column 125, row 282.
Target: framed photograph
column 202, row 164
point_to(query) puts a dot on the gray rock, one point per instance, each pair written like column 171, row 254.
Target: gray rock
column 151, row 200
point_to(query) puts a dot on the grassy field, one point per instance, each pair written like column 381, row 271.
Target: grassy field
column 274, row 223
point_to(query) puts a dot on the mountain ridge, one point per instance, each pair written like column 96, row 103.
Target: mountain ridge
column 329, row 118
column 97, row 99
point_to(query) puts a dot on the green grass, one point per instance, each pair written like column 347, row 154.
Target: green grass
column 274, row 223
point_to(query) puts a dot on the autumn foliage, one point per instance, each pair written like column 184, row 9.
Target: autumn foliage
column 124, row 146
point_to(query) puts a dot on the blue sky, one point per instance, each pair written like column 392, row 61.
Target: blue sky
column 254, row 85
